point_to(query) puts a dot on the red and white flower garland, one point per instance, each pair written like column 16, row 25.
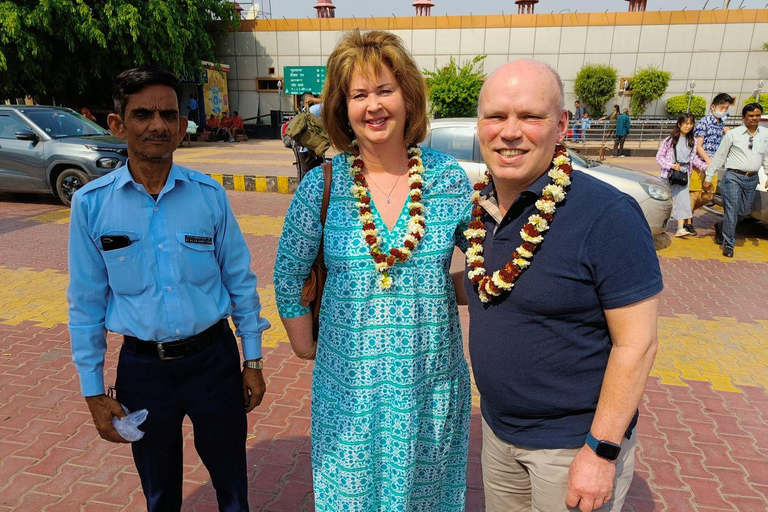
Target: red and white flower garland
column 489, row 287
column 416, row 223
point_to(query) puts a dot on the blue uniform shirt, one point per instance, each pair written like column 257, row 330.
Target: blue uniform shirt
column 539, row 352
column 187, row 267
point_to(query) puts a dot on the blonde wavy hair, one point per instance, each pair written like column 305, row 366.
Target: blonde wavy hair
column 366, row 53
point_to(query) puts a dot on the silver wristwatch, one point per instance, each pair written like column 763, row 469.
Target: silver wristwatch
column 253, row 364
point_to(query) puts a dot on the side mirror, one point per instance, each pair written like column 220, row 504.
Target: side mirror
column 27, row 135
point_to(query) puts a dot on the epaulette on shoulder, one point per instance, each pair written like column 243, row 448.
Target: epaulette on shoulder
column 201, row 178
column 98, row 183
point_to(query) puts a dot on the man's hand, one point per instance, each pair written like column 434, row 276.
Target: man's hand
column 590, row 481
column 254, row 388
column 103, row 408
column 706, row 186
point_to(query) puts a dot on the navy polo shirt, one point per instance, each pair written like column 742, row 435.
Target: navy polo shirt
column 539, row 352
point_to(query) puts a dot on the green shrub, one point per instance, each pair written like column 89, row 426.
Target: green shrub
column 763, row 102
column 647, row 85
column 595, row 84
column 677, row 105
column 454, row 89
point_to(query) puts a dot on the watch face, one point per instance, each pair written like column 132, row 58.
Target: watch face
column 608, row 451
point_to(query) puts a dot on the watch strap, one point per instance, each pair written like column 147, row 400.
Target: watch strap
column 604, row 449
column 253, row 364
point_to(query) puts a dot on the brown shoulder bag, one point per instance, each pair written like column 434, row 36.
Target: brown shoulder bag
column 312, row 293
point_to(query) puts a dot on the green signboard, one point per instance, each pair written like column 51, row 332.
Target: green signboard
column 301, row 79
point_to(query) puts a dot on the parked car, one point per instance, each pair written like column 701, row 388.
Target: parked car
column 457, row 137
column 53, row 150
column 760, row 204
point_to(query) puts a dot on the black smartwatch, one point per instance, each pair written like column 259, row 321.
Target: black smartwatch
column 605, row 449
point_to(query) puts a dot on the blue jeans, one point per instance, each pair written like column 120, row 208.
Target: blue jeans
column 738, row 194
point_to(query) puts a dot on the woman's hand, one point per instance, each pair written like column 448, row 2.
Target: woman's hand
column 675, row 167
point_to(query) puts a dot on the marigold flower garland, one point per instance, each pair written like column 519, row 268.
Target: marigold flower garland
column 489, row 287
column 416, row 223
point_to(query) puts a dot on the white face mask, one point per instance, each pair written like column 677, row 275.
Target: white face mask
column 719, row 114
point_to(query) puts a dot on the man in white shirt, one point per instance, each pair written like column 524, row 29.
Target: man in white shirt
column 742, row 152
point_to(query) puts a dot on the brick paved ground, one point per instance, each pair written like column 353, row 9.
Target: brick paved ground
column 703, row 436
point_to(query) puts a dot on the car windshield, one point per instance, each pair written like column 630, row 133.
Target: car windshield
column 581, row 160
column 63, row 123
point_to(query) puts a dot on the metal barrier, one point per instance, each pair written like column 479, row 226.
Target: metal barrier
column 643, row 133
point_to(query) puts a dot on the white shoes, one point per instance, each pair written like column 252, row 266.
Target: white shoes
column 682, row 233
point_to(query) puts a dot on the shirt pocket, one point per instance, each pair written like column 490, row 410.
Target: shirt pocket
column 127, row 268
column 197, row 260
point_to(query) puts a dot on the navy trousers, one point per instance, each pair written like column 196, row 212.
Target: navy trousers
column 208, row 388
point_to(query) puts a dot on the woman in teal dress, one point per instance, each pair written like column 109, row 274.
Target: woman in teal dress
column 391, row 392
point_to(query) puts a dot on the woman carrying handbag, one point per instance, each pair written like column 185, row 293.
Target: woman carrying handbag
column 676, row 156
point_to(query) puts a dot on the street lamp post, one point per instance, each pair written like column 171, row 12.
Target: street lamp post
column 759, row 89
column 689, row 92
column 624, row 87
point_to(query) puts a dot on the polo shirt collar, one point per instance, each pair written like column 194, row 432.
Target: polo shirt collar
column 491, row 205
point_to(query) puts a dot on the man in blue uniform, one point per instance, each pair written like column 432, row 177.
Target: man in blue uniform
column 155, row 254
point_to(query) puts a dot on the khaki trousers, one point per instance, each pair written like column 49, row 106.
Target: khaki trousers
column 520, row 480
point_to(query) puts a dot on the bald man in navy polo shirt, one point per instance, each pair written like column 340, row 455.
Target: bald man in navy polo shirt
column 560, row 359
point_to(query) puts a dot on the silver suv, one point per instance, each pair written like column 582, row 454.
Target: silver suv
column 53, row 150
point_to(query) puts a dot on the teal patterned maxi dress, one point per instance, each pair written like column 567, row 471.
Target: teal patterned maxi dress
column 391, row 393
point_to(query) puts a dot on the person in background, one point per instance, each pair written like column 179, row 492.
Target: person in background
column 613, row 115
column 708, row 132
column 192, row 109
column 742, row 152
column 236, row 125
column 678, row 152
column 314, row 106
column 586, row 124
column 391, row 394
column 86, row 113
column 225, row 123
column 622, row 130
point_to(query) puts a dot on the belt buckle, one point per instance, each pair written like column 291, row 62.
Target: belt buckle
column 161, row 353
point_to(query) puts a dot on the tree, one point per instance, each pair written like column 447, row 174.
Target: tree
column 70, row 48
column 454, row 89
column 647, row 85
column 596, row 84
column 677, row 105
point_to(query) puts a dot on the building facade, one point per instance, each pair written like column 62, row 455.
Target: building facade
column 721, row 50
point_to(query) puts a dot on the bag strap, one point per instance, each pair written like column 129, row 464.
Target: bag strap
column 327, row 173
column 674, row 149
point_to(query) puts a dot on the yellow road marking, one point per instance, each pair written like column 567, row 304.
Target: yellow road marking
column 57, row 217
column 260, row 225
column 750, row 249
column 723, row 351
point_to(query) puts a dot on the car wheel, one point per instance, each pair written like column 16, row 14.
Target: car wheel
column 68, row 182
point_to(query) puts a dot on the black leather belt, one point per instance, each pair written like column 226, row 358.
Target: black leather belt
column 743, row 173
column 179, row 348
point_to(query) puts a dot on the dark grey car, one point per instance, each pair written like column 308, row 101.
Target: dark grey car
column 53, row 150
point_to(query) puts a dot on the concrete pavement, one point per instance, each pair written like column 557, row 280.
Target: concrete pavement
column 703, row 436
